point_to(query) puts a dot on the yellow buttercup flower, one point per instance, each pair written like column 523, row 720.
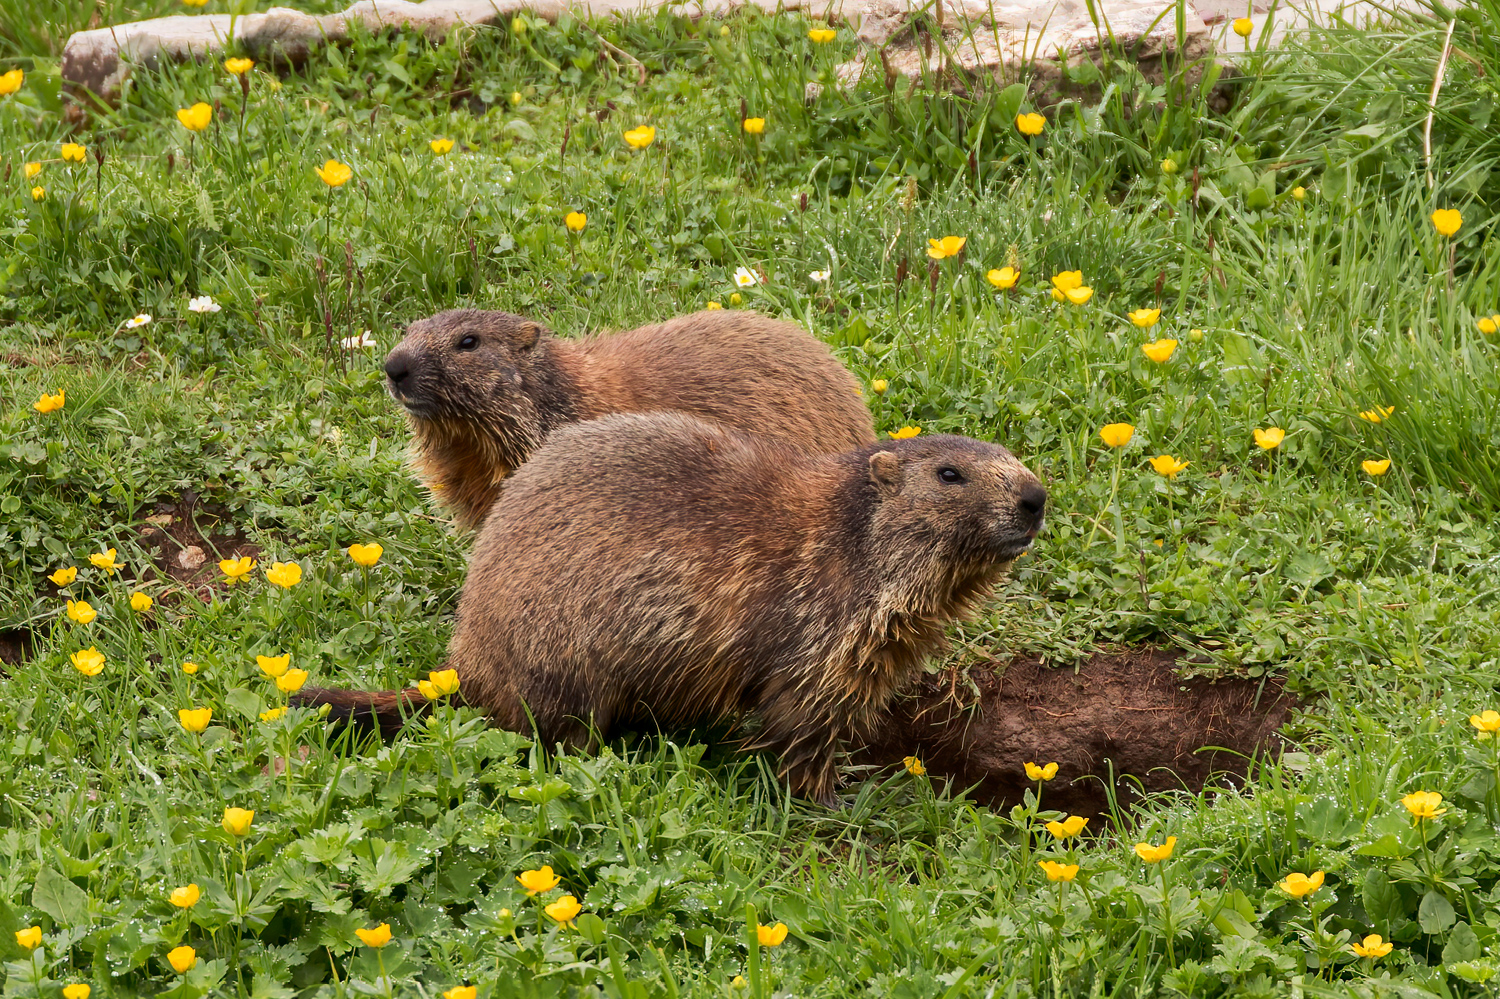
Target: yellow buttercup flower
column 236, row 568
column 540, row 880
column 754, row 126
column 878, row 386
column 1003, row 278
column 1488, row 721
column 50, row 403
column 1116, row 434
column 105, row 561
column 711, row 306
column 81, row 611
column 1424, row 804
column 1377, row 414
column 1169, row 165
column 1167, row 465
column 1030, row 124
column 1067, row 828
column 1243, row 26
column 1079, row 296
column 1058, row 872
column 948, row 246
column 11, row 81
column 366, row 555
column 1487, row 326
column 1376, row 467
column 333, row 173
column 30, row 937
column 273, row 666
column 197, row 117
column 1160, row 351
column 735, row 298
column 440, row 147
column 1446, row 221
column 185, row 897
column 182, row 958
column 770, row 936
column 195, row 719
column 444, row 681
column 905, row 433
column 89, row 661
column 284, row 574
column 239, row 67
column 140, row 602
column 291, row 681
column 1371, row 946
column 1300, row 885
column 1298, row 193
column 1034, row 772
column 71, row 152
column 38, row 193
column 1064, row 282
column 190, row 668
column 640, row 138
column 236, row 821
column 461, row 992
column 1146, row 318
column 378, row 937
column 271, row 714
column 913, row 766
column 78, row 990
column 822, row 35
column 564, row 910
column 1269, row 439
column 428, row 690
column 575, row 221
column 63, row 577
column 1155, row 854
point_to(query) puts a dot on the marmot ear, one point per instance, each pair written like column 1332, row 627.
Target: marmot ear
column 526, row 336
column 885, row 472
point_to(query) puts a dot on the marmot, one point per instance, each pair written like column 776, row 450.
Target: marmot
column 655, row 568
column 483, row 389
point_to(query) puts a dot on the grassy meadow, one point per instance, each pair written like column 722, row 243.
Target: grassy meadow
column 1288, row 243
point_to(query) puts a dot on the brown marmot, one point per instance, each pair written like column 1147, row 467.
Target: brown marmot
column 658, row 569
column 483, row 389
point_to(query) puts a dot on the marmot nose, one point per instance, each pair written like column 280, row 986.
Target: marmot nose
column 1033, row 501
column 397, row 366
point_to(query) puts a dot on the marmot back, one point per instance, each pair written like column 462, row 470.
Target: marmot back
column 484, row 389
column 661, row 570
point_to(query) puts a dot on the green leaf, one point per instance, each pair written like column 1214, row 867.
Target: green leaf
column 1435, row 914
column 244, row 702
column 65, row 902
column 1381, row 899
column 1462, row 945
column 590, row 927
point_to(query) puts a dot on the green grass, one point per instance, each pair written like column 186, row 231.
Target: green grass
column 1375, row 597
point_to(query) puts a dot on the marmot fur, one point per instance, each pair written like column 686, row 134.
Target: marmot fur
column 483, row 389
column 658, row 569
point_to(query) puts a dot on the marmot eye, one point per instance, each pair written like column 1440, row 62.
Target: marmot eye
column 950, row 475
column 468, row 343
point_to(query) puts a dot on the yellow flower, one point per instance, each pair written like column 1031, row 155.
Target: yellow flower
column 185, row 897
column 711, row 306
column 195, row 719
column 1424, row 804
column 1161, row 351
column 564, row 910
column 1058, row 872
column 197, row 117
column 1169, row 165
column 738, row 983
column 516, row 98
column 905, row 433
column 366, row 555
column 1068, row 827
column 182, row 958
column 1116, row 434
column 273, row 666
column 38, row 193
column 378, row 937
column 71, row 152
column 89, row 661
column 537, row 881
column 575, row 221
column 1030, row 124
column 1145, row 319
column 822, row 35
column 272, row 714
column 333, row 173
column 1003, row 278
column 1487, row 326
column 1489, row 721
column 1195, row 335
column 1167, row 465
column 640, row 138
column 291, row 681
column 913, row 766
column 284, row 574
column 1377, row 414
column 1269, row 439
column 1155, row 854
column 1243, row 26
column 1376, row 467
column 30, row 938
column 878, row 386
column 140, row 602
column 440, row 147
column 754, row 126
column 105, row 561
column 1300, row 885
column 1034, row 772
column 1298, row 193
column 190, row 668
column 50, row 403
column 236, row 568
column 1371, row 946
column 78, row 990
column 461, row 992
column 770, row 936
column 11, row 82
column 32, row 169
column 1078, row 296
column 239, row 67
column 948, row 246
column 735, row 299
column 428, row 690
column 1446, row 221
column 444, row 681
column 81, row 611
column 63, row 577
column 1064, row 282
column 236, row 821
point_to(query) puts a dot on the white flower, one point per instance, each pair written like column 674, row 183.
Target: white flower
column 203, row 304
column 140, row 320
column 358, row 342
column 821, row 276
column 745, row 277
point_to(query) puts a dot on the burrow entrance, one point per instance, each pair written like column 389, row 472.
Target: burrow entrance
column 1129, row 711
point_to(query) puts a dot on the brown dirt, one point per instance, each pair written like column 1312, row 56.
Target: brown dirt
column 15, row 646
column 1130, row 710
column 187, row 538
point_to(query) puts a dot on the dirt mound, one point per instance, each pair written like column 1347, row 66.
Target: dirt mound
column 1130, row 711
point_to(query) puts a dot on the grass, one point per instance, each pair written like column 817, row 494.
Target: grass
column 1375, row 597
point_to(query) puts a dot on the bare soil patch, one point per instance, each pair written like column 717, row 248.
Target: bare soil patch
column 187, row 538
column 1126, row 717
